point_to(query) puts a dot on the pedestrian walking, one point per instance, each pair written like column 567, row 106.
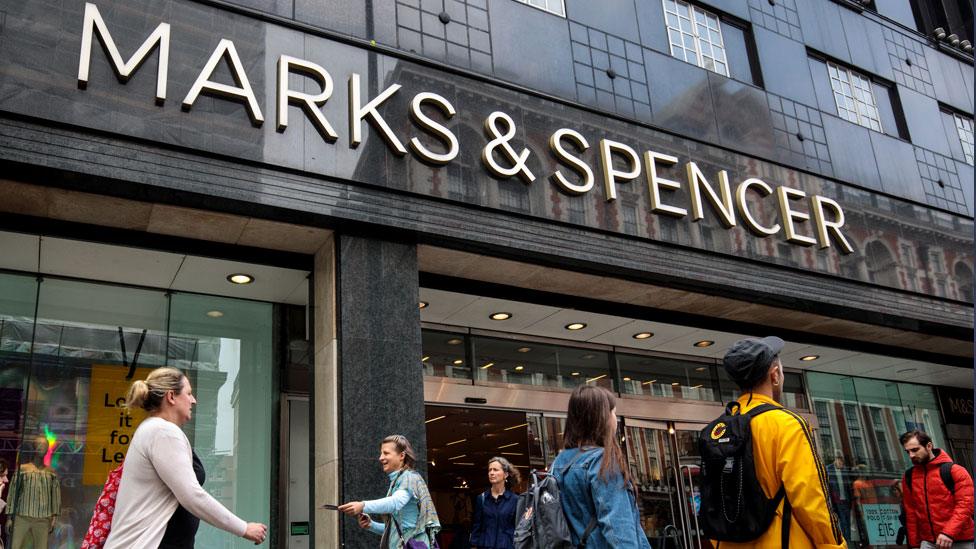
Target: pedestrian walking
column 4, row 469
column 763, row 484
column 494, row 509
column 158, row 474
column 411, row 518
column 598, row 497
column 937, row 495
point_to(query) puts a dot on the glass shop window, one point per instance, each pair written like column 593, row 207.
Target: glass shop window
column 497, row 360
column 666, row 377
column 64, row 371
column 445, row 355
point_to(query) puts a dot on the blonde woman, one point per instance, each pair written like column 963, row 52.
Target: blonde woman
column 158, row 473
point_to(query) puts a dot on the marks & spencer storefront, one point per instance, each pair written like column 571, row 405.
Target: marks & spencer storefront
column 151, row 152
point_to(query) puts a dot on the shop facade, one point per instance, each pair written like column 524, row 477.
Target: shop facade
column 553, row 164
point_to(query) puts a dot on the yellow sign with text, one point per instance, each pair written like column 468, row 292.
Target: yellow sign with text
column 110, row 425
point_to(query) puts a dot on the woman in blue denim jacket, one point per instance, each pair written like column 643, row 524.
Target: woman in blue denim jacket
column 593, row 478
column 407, row 500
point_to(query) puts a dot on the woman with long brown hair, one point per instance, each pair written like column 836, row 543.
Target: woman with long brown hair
column 598, row 497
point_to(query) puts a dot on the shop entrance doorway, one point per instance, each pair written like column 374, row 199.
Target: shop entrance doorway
column 665, row 463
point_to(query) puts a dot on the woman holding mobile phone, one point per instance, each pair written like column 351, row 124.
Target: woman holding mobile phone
column 411, row 518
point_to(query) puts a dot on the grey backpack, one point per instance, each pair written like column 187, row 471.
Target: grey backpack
column 541, row 523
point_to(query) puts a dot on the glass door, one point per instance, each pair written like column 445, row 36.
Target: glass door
column 664, row 463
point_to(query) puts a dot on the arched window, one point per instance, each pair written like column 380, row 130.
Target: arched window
column 964, row 280
column 881, row 264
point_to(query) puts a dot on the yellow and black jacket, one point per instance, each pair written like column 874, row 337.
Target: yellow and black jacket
column 784, row 454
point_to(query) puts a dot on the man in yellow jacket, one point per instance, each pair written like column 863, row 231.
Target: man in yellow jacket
column 783, row 451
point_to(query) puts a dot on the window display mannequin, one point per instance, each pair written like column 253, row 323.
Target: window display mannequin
column 34, row 501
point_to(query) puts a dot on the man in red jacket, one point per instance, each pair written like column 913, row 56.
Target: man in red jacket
column 937, row 514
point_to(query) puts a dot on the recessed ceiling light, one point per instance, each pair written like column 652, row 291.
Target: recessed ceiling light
column 704, row 343
column 676, row 384
column 576, row 326
column 701, row 368
column 459, row 361
column 215, row 314
column 240, row 278
column 489, row 365
column 425, row 359
column 423, row 304
column 519, row 368
column 455, row 341
column 524, row 349
column 500, row 316
column 626, row 379
column 643, row 335
column 809, row 358
column 575, row 373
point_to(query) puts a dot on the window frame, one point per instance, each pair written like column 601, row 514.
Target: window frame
column 692, row 11
column 966, row 152
column 547, row 8
column 867, row 88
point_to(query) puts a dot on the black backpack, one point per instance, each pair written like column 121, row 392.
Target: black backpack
column 945, row 471
column 733, row 504
column 541, row 523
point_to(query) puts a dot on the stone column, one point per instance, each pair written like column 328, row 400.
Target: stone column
column 381, row 388
column 325, row 410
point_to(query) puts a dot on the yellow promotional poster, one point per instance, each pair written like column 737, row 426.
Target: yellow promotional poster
column 110, row 425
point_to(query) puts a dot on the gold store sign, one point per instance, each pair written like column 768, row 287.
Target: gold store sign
column 728, row 202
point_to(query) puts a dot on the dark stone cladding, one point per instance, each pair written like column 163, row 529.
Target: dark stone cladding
column 99, row 163
column 379, row 324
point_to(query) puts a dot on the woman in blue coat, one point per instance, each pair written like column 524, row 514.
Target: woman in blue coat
column 494, row 509
column 598, row 497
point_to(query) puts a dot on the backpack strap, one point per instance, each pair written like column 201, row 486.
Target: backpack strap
column 906, row 480
column 787, row 519
column 762, row 409
column 945, row 471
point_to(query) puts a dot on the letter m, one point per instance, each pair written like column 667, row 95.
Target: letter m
column 94, row 23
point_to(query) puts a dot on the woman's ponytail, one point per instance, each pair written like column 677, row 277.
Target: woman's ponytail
column 138, row 394
column 149, row 394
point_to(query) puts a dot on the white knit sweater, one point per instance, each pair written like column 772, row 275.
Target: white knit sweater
column 158, row 476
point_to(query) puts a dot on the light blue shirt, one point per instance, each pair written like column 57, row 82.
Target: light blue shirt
column 395, row 503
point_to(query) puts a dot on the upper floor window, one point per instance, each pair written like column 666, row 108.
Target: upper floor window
column 695, row 36
column 556, row 7
column 965, row 128
column 852, row 94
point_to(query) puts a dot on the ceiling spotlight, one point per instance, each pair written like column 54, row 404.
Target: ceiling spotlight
column 701, row 368
column 215, row 314
column 966, row 46
column 455, row 341
column 489, row 365
column 953, row 39
column 809, row 358
column 643, row 335
column 423, row 304
column 704, row 343
column 939, row 33
column 575, row 373
column 459, row 361
column 576, row 326
column 240, row 278
column 500, row 316
column 519, row 368
column 524, row 349
column 626, row 379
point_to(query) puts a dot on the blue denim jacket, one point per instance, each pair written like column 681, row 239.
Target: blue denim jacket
column 584, row 493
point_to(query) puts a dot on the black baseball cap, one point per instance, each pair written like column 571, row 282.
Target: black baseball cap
column 748, row 360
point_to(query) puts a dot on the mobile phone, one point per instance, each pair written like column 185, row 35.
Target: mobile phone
column 330, row 507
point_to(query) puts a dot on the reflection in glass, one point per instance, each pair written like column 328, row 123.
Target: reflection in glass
column 62, row 425
column 666, row 377
column 544, row 365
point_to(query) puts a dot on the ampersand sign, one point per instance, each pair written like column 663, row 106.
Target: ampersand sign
column 502, row 140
